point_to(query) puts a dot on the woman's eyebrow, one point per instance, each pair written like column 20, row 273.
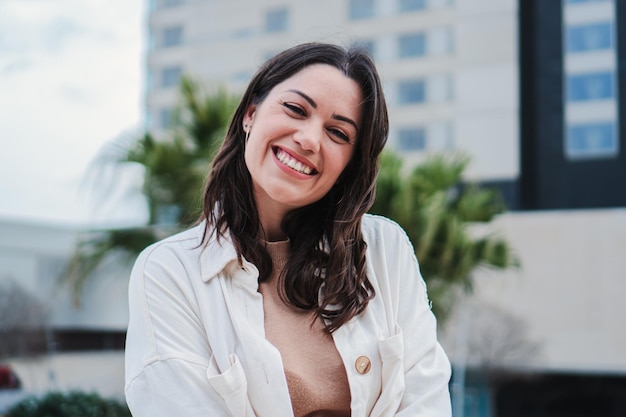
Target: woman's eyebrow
column 314, row 105
column 306, row 97
column 346, row 119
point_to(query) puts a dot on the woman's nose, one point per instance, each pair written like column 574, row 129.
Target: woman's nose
column 309, row 138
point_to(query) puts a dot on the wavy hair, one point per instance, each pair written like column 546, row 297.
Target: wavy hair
column 326, row 270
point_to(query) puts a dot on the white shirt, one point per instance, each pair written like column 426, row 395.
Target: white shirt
column 196, row 346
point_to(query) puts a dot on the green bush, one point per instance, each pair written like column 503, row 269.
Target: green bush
column 71, row 404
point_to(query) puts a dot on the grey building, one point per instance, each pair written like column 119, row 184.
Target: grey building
column 573, row 81
column 449, row 68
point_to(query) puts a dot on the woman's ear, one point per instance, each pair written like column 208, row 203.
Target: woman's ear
column 248, row 117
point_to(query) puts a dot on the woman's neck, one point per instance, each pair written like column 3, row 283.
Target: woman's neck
column 270, row 223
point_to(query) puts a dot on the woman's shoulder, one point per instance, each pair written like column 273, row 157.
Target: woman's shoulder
column 387, row 240
column 181, row 247
column 196, row 248
column 186, row 239
column 375, row 227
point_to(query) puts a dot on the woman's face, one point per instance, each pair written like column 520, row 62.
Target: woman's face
column 302, row 136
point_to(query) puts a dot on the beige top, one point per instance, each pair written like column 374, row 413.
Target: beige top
column 315, row 373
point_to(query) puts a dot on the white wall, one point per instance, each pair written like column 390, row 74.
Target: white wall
column 101, row 372
column 486, row 83
column 569, row 291
column 32, row 255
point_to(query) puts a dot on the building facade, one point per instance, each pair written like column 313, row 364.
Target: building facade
column 449, row 68
column 573, row 82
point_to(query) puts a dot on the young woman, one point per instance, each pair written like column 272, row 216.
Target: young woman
column 288, row 300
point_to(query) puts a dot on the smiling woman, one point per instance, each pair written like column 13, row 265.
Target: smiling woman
column 287, row 299
column 301, row 137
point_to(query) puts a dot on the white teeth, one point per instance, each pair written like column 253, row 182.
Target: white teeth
column 292, row 163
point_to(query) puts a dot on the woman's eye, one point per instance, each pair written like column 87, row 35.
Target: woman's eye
column 340, row 135
column 294, row 109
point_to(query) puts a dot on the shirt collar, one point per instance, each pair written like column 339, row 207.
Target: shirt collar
column 215, row 254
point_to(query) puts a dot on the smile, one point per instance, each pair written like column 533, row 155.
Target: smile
column 293, row 163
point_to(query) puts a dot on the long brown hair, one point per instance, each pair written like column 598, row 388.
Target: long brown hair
column 327, row 246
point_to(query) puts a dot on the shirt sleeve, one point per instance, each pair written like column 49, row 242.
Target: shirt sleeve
column 426, row 366
column 168, row 357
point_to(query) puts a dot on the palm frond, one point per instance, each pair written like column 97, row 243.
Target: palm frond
column 95, row 247
column 173, row 167
column 436, row 208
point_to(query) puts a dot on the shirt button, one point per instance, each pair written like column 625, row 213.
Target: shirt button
column 362, row 364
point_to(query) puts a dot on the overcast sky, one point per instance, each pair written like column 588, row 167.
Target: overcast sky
column 71, row 79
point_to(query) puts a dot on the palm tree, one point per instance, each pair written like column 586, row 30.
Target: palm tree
column 438, row 210
column 174, row 170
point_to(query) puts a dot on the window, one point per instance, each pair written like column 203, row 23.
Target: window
column 592, row 139
column 362, row 9
column 152, row 40
column 410, row 5
column 589, row 37
column 276, row 20
column 150, row 79
column 411, row 92
column 165, row 118
column 413, row 139
column 172, row 36
column 590, row 80
column 597, row 86
column 412, row 45
column 170, row 76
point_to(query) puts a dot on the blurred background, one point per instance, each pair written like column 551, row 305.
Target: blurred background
column 527, row 91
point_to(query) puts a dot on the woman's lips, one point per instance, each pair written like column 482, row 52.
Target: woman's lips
column 288, row 160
